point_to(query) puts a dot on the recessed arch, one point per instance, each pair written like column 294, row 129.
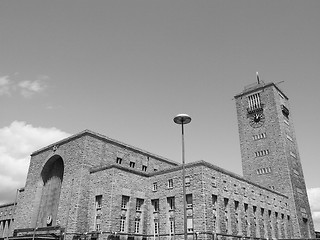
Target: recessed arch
column 52, row 178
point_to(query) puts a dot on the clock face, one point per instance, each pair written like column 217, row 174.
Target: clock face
column 257, row 120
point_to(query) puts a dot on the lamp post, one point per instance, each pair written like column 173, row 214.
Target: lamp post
column 183, row 119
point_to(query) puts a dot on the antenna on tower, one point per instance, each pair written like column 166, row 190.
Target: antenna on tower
column 258, row 79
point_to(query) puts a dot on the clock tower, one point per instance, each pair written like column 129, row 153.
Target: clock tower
column 269, row 149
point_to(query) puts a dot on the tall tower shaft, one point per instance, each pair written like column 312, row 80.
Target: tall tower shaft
column 269, row 150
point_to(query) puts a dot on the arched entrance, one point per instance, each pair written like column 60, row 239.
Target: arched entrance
column 52, row 177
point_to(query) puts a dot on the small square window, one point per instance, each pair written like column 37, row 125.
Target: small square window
column 132, row 164
column 119, row 160
column 144, row 168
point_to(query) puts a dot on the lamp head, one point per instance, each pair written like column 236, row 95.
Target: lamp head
column 182, row 119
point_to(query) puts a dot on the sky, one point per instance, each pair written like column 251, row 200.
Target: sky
column 124, row 69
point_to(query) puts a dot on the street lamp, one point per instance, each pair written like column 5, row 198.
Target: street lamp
column 183, row 119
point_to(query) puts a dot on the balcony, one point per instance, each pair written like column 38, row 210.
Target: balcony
column 251, row 110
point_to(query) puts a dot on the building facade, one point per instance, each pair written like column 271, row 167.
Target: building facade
column 91, row 185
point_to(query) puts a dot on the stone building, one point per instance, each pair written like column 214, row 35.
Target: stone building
column 89, row 185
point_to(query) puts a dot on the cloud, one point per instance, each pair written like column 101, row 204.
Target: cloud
column 5, row 85
column 26, row 88
column 314, row 200
column 17, row 142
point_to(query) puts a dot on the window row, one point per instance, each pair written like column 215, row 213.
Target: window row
column 132, row 164
column 264, row 170
column 261, row 153
column 170, row 184
column 272, row 219
column 170, row 203
column 259, row 136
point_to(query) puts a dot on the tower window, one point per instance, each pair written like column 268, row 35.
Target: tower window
column 286, row 122
column 254, row 102
column 285, row 111
column 259, row 136
column 261, row 153
column 299, row 190
column 264, row 170
column 289, row 138
column 144, row 168
column 292, row 154
column 170, row 183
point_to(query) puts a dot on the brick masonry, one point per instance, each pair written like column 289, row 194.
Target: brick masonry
column 66, row 178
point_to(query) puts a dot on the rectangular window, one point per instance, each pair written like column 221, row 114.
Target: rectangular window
column 187, row 181
column 119, row 160
column 189, row 200
column 98, row 201
column 189, row 224
column 98, row 220
column 156, row 227
column 170, row 201
column 170, row 183
column 171, row 225
column 236, row 205
column 137, row 225
column 124, row 202
column 155, row 204
column 214, row 201
column 98, row 227
column 245, row 207
column 144, row 168
column 154, row 187
column 139, row 204
column 122, row 223
column 132, row 164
